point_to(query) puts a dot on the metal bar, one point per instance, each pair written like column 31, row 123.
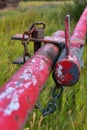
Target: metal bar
column 67, row 34
column 46, row 39
column 37, row 45
column 19, row 95
column 67, row 70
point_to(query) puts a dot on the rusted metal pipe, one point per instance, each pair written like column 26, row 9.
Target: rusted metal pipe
column 19, row 95
column 67, row 70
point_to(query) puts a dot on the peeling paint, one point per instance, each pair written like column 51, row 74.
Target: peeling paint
column 59, row 74
column 59, row 70
column 12, row 93
column 6, row 93
column 41, row 65
column 14, row 105
column 13, row 98
column 26, row 85
column 74, row 58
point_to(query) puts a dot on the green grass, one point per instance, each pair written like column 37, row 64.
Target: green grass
column 72, row 108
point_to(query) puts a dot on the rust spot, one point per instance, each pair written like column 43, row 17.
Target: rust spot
column 17, row 118
column 27, row 98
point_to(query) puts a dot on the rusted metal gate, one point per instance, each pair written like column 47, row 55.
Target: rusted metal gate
column 19, row 95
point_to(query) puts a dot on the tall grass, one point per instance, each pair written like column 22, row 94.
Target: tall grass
column 72, row 107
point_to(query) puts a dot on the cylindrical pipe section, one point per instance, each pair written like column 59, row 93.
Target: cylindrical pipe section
column 67, row 70
column 19, row 95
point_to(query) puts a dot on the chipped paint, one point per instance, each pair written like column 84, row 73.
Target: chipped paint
column 59, row 70
column 14, row 105
column 59, row 73
column 72, row 62
column 6, row 93
column 74, row 58
column 19, row 95
column 23, row 83
column 41, row 67
column 13, row 93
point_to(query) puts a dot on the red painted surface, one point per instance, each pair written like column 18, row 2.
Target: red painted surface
column 19, row 95
column 67, row 70
column 67, row 34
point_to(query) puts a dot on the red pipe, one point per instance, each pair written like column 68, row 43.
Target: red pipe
column 67, row 70
column 19, row 95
